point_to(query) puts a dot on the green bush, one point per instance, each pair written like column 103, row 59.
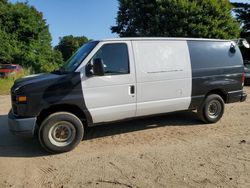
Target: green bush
column 5, row 85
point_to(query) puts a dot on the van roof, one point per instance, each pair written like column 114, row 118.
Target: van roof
column 165, row 38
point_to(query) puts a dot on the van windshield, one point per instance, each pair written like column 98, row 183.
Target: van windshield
column 76, row 59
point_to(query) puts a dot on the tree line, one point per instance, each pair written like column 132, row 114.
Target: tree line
column 25, row 38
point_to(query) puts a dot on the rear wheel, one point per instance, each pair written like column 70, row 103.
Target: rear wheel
column 212, row 109
column 61, row 132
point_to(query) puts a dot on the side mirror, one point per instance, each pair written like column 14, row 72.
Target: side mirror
column 98, row 67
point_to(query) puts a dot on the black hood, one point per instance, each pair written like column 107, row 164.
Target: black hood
column 46, row 90
column 36, row 79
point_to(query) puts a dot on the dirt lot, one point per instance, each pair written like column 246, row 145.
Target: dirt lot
column 174, row 150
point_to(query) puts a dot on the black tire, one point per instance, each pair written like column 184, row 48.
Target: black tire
column 61, row 132
column 212, row 109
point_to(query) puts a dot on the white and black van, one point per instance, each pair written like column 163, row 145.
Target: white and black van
column 118, row 79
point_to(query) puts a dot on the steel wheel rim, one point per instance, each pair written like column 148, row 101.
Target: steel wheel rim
column 62, row 133
column 214, row 109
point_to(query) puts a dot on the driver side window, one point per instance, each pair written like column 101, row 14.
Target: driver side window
column 115, row 58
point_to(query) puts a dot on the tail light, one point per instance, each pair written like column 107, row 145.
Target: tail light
column 243, row 78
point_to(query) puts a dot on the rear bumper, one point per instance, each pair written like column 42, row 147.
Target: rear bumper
column 236, row 96
column 24, row 127
column 243, row 97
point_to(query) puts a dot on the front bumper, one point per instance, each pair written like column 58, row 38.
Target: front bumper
column 22, row 126
column 236, row 96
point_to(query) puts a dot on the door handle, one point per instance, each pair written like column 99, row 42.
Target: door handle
column 131, row 90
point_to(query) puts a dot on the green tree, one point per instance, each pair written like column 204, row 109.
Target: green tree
column 69, row 44
column 242, row 11
column 25, row 38
column 176, row 18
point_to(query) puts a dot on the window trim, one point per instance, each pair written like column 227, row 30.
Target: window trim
column 111, row 74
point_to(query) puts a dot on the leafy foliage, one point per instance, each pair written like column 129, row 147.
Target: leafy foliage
column 176, row 18
column 69, row 44
column 25, row 38
column 242, row 11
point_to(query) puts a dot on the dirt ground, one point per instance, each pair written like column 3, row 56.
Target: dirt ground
column 173, row 150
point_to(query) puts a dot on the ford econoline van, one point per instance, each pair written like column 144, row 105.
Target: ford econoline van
column 118, row 79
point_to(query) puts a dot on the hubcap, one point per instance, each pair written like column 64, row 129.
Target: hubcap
column 62, row 133
column 214, row 109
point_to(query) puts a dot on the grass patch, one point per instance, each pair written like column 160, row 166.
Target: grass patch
column 7, row 83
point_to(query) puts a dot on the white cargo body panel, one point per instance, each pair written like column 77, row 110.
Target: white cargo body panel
column 164, row 76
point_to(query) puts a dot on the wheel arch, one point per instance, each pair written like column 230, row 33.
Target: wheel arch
column 222, row 93
column 59, row 108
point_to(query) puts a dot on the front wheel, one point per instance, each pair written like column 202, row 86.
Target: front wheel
column 212, row 109
column 61, row 132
